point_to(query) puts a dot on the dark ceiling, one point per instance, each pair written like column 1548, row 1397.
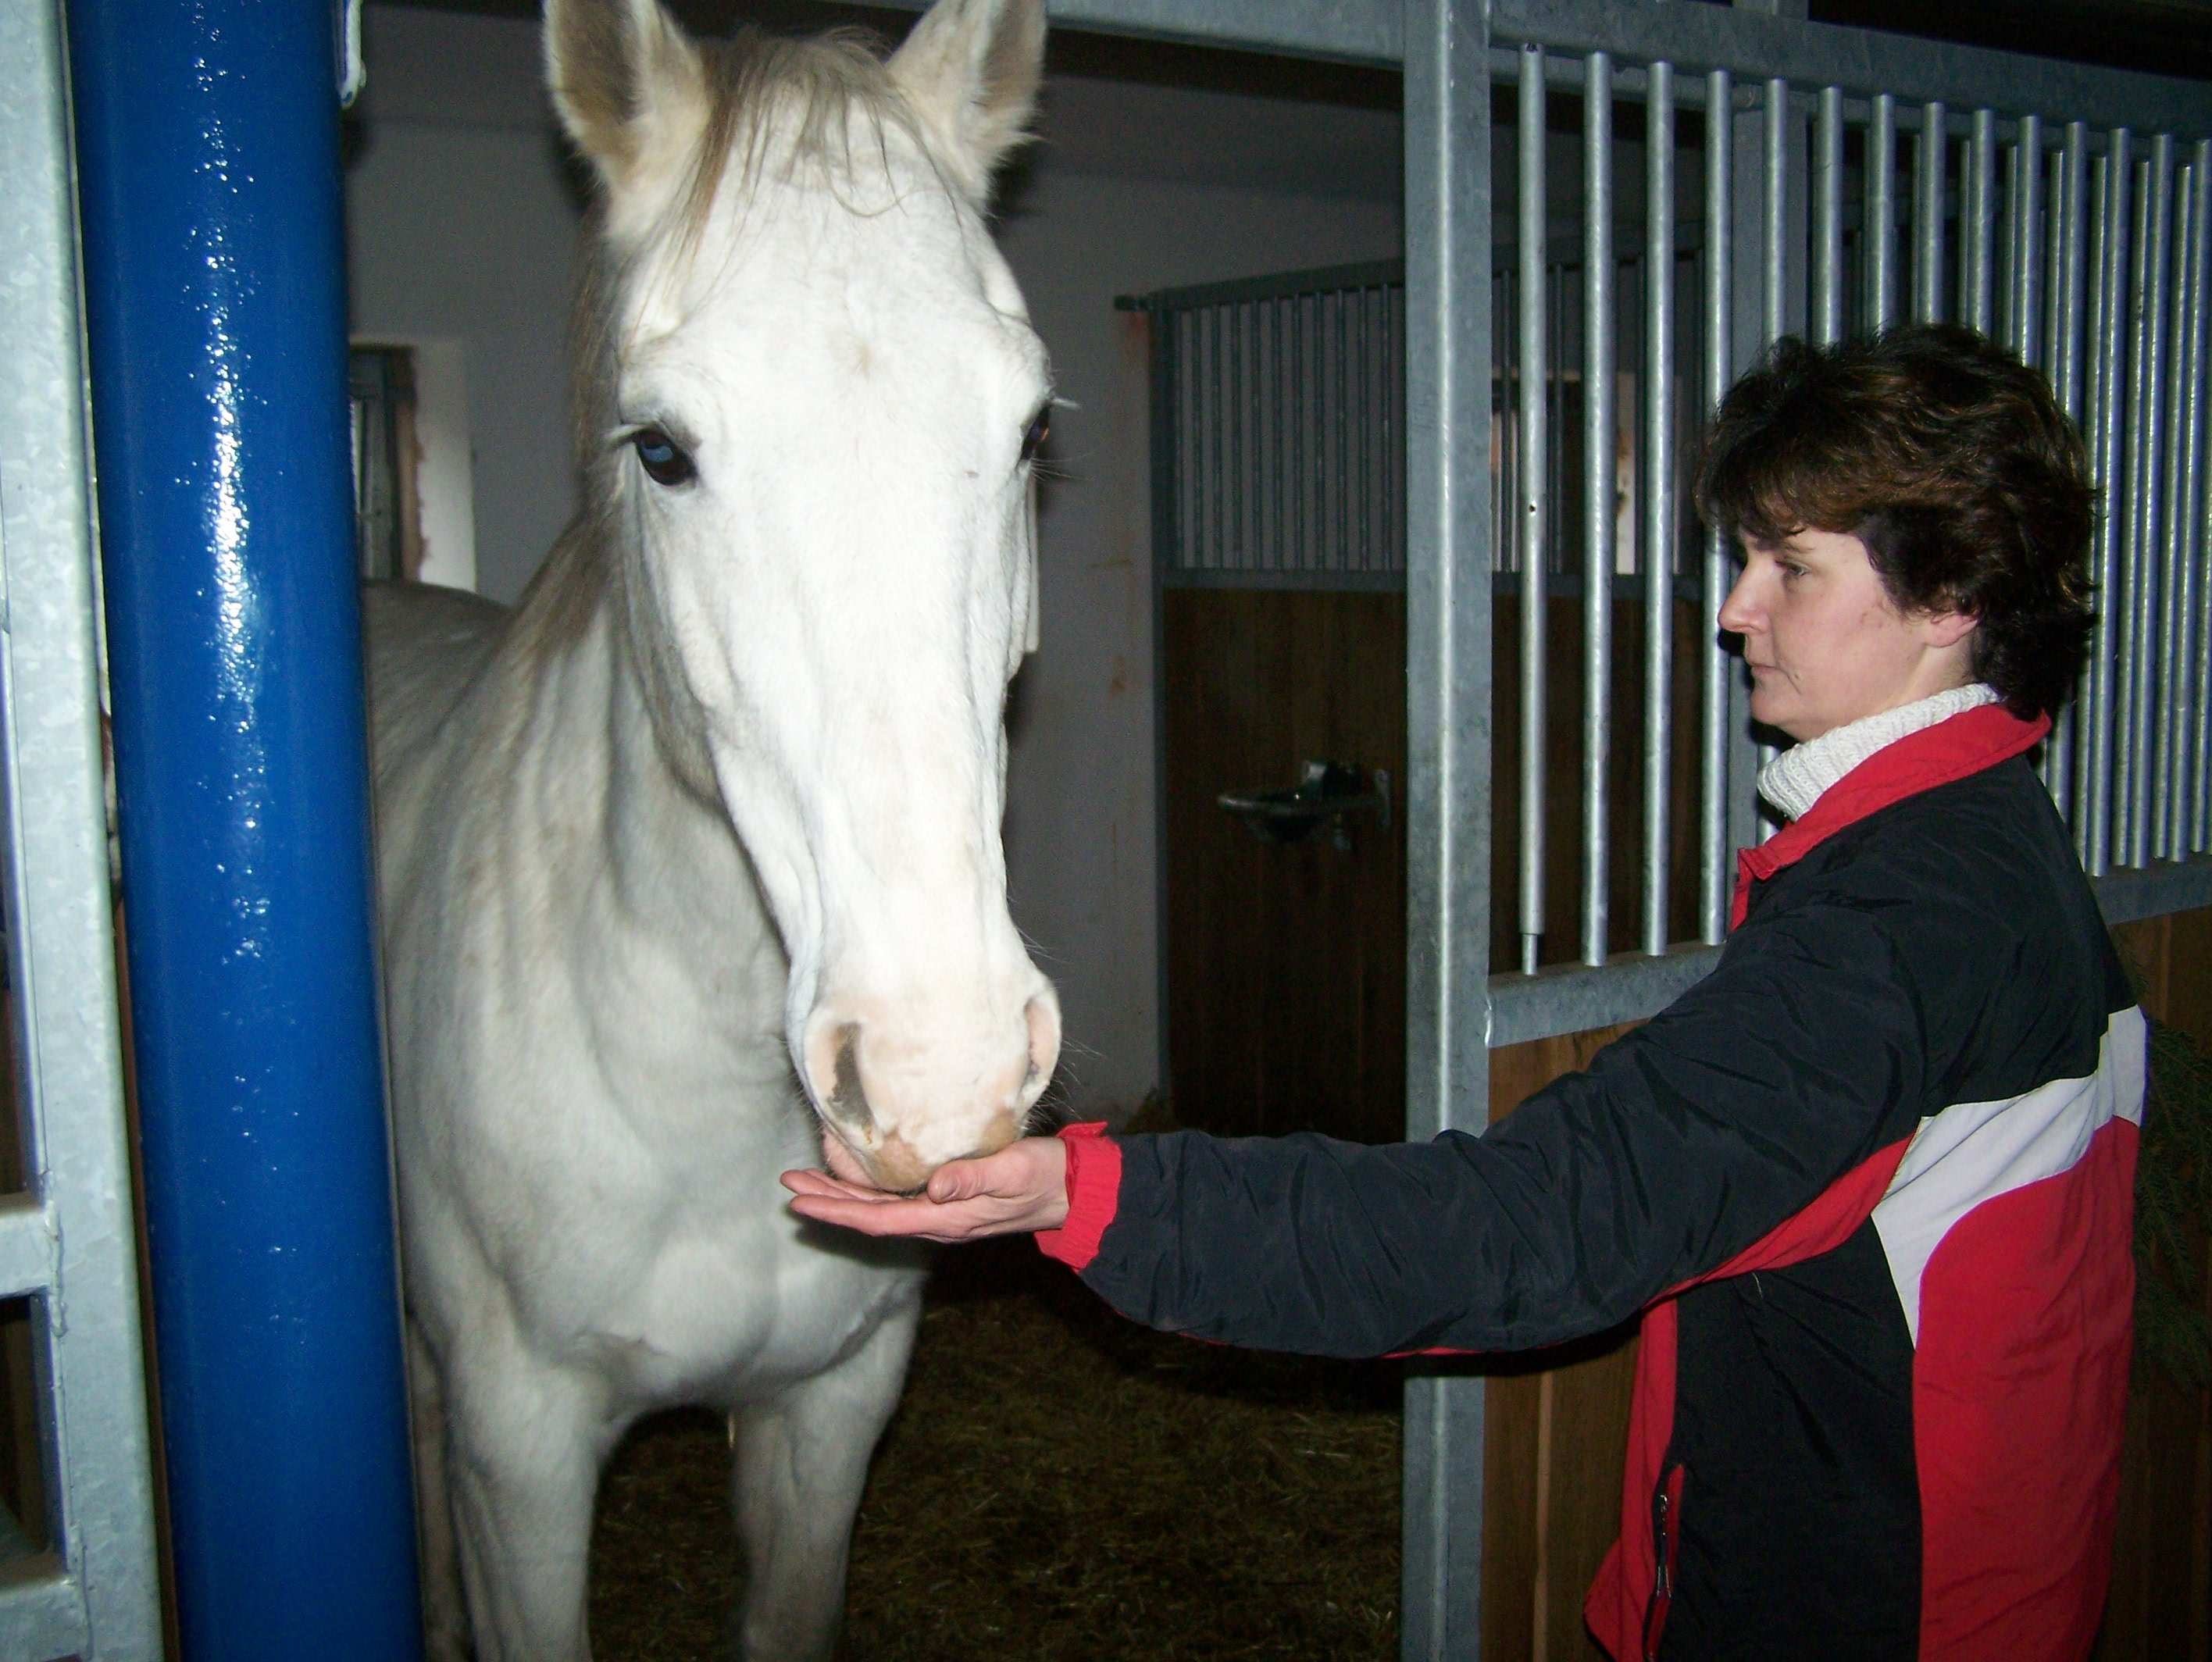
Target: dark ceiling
column 2166, row 37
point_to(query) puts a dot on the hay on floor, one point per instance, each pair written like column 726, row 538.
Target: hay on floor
column 1058, row 1483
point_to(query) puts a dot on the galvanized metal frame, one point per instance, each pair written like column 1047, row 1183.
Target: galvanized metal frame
column 69, row 1244
column 1448, row 699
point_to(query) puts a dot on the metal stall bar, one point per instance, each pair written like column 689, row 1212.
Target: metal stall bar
column 207, row 153
column 2108, row 193
column 1447, row 698
column 1774, row 264
column 2023, row 287
column 68, row 1244
column 1977, row 222
column 1657, row 541
column 2178, row 764
column 1827, row 320
column 1880, row 223
column 2139, row 575
column 2148, row 441
column 1930, row 159
column 2063, row 357
column 1535, row 492
column 1598, row 484
column 1713, row 686
column 1774, row 202
column 2189, row 667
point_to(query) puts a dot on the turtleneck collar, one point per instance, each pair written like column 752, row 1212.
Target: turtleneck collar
column 1801, row 775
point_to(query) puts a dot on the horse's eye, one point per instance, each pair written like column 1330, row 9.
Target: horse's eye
column 1040, row 429
column 665, row 461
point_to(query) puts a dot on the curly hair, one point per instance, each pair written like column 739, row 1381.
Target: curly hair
column 1950, row 460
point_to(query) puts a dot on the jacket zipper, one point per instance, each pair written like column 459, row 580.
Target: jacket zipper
column 1666, row 1526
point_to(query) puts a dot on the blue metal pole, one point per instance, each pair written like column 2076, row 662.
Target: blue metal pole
column 207, row 151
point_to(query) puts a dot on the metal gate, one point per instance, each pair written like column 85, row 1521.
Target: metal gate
column 83, row 1579
column 1739, row 176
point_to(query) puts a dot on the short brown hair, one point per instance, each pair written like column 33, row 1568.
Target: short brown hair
column 1950, row 459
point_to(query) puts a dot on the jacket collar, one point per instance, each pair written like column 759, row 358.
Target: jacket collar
column 1954, row 748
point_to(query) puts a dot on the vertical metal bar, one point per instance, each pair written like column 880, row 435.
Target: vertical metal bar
column 1345, row 439
column 1535, row 451
column 1600, row 483
column 1505, row 442
column 1931, row 156
column 1773, row 265
column 1276, row 451
column 1978, row 223
column 1656, row 548
column 1252, row 449
column 2110, row 190
column 2176, row 765
column 207, row 153
column 1369, row 420
column 2063, row 335
column 60, row 944
column 1827, row 320
column 1171, row 445
column 1448, row 697
column 1216, row 539
column 2024, row 292
column 2148, row 444
column 1713, row 839
column 1880, row 230
column 1775, row 204
column 2189, row 667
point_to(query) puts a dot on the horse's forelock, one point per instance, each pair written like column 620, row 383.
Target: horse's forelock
column 772, row 99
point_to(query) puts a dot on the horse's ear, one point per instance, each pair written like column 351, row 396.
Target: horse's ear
column 630, row 87
column 970, row 69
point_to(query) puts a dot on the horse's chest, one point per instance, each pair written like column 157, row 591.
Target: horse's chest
column 736, row 1312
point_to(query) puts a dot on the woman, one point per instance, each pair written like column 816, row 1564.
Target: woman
column 1869, row 1183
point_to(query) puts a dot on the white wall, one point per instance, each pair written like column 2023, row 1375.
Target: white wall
column 462, row 221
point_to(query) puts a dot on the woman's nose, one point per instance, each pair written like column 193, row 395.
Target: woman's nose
column 1738, row 615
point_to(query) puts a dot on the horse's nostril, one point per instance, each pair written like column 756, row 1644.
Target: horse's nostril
column 847, row 1099
column 1042, row 1016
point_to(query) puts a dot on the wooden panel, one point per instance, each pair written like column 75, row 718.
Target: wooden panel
column 1556, row 1425
column 2160, row 1604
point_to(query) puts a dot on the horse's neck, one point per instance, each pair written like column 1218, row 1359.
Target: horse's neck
column 620, row 786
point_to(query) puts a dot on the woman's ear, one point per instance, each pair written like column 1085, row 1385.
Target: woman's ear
column 1947, row 628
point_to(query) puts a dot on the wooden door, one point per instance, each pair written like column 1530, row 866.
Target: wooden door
column 1285, row 962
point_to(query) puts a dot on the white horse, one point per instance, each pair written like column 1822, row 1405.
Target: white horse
column 705, row 834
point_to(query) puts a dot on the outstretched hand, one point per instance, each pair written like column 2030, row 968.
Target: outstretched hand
column 1023, row 1188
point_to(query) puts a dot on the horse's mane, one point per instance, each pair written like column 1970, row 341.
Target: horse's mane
column 772, row 100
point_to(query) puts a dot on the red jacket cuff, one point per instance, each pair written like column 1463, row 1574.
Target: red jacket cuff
column 1094, row 1191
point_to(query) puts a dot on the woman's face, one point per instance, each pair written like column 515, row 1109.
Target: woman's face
column 1824, row 643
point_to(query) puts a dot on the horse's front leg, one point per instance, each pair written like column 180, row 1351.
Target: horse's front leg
column 802, row 1458
column 445, row 1614
column 523, row 1451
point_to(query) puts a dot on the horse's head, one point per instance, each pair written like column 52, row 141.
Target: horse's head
column 811, row 402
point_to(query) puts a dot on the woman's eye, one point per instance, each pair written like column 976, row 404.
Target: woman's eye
column 665, row 461
column 1040, row 429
